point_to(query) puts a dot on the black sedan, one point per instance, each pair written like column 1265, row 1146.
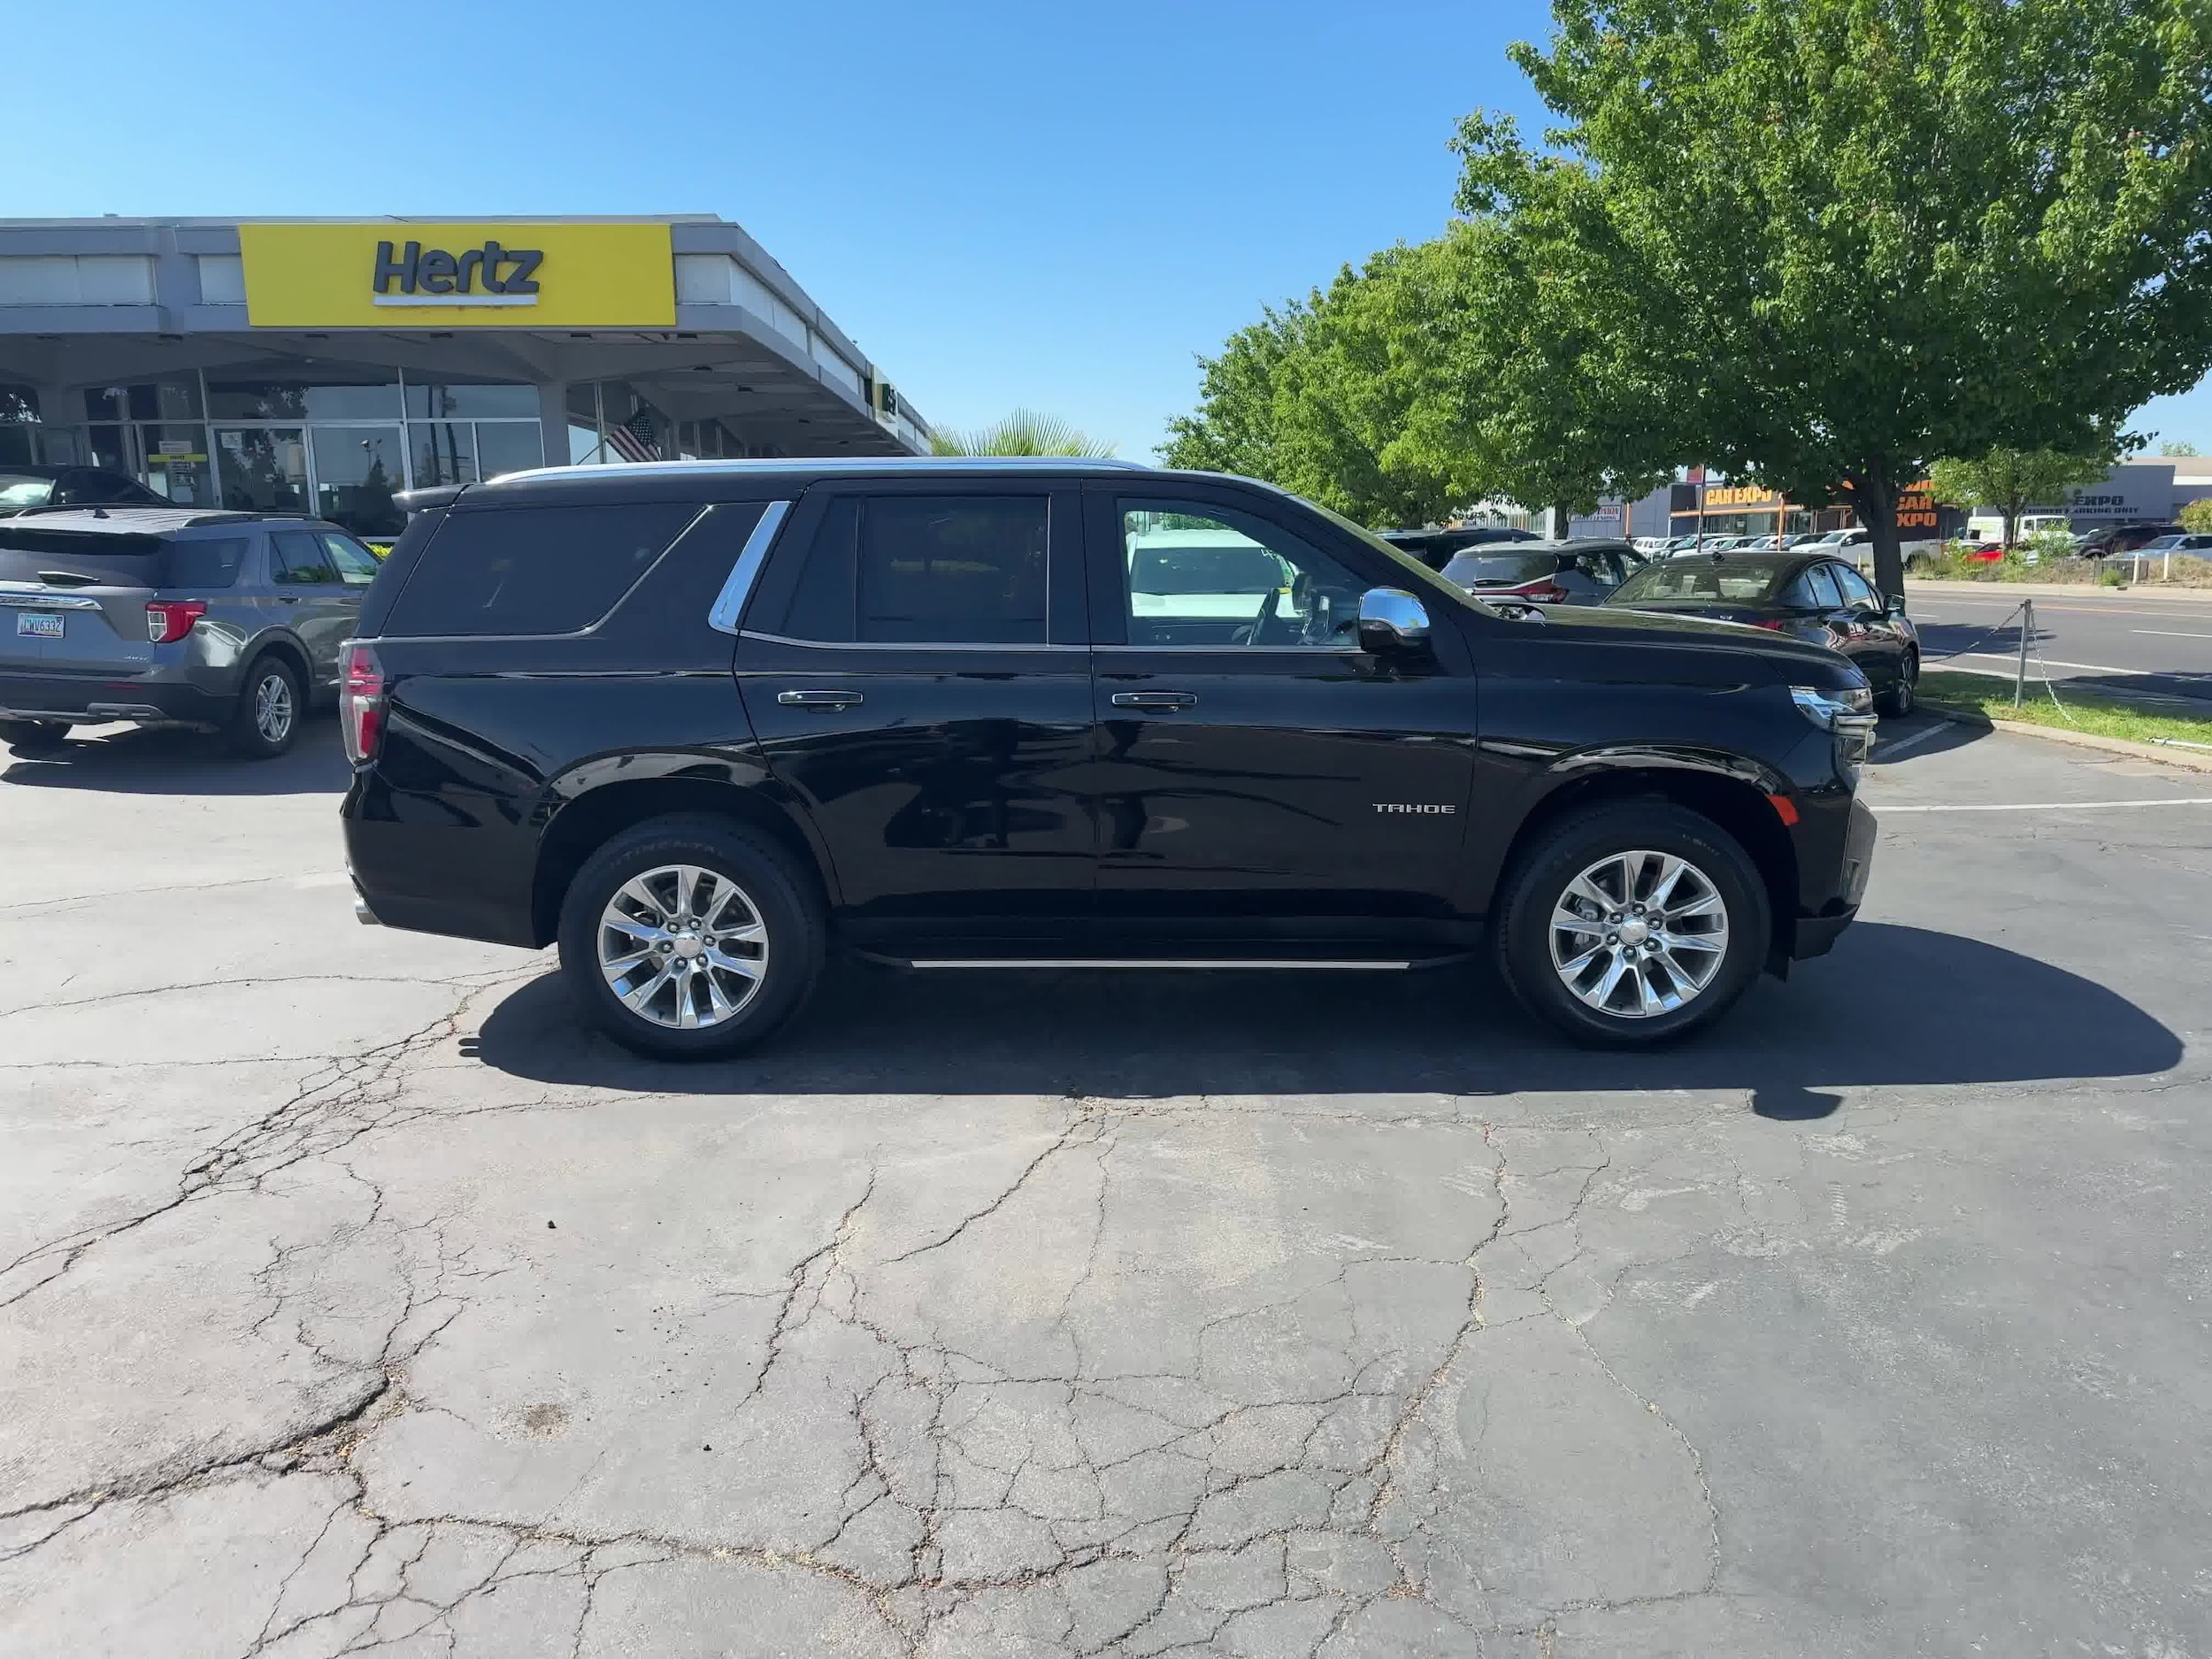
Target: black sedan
column 1812, row 597
column 25, row 489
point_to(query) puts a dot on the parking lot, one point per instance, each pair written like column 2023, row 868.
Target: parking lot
column 356, row 1300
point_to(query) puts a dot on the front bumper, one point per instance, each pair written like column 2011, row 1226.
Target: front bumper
column 93, row 699
column 1817, row 932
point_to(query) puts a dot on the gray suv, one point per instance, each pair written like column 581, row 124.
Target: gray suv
column 227, row 621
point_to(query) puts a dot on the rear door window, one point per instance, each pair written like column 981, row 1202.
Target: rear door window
column 531, row 570
column 966, row 570
column 1822, row 581
column 297, row 558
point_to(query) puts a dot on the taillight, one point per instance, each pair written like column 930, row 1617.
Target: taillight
column 169, row 620
column 1774, row 625
column 1544, row 591
column 361, row 703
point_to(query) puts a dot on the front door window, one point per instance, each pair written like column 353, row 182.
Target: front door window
column 1197, row 578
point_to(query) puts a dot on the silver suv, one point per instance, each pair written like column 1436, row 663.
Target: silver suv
column 227, row 621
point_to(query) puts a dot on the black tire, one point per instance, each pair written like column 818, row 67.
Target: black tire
column 785, row 902
column 251, row 737
column 1899, row 698
column 1538, row 882
column 34, row 737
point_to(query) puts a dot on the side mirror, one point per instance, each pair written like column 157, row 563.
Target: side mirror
column 1391, row 619
column 1894, row 605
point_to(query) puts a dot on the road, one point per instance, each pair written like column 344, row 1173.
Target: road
column 2139, row 642
column 357, row 1299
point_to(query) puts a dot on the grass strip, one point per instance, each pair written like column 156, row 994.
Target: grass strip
column 2101, row 713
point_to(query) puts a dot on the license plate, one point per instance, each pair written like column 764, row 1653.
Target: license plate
column 39, row 625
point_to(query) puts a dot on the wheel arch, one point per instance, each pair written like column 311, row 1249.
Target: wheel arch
column 1734, row 793
column 585, row 822
column 278, row 643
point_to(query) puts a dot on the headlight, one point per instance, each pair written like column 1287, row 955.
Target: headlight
column 1830, row 710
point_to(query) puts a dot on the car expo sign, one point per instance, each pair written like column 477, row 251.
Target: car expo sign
column 391, row 274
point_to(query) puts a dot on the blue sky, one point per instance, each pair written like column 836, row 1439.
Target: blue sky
column 1004, row 204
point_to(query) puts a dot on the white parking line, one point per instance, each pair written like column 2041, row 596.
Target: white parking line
column 1893, row 746
column 2080, row 668
column 2046, row 806
column 2172, row 633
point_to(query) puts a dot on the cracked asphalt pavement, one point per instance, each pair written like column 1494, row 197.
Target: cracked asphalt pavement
column 353, row 1300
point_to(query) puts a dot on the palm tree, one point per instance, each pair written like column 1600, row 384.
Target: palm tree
column 1021, row 432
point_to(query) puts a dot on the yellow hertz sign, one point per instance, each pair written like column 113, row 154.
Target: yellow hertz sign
column 424, row 274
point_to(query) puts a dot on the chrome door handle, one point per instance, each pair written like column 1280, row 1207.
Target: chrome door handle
column 1155, row 700
column 287, row 599
column 818, row 699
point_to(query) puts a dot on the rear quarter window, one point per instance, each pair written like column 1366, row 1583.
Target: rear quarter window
column 204, row 561
column 531, row 570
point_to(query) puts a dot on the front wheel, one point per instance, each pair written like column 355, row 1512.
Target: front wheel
column 1899, row 698
column 687, row 938
column 1626, row 926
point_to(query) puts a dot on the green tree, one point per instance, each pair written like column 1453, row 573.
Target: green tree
column 1336, row 397
column 2013, row 480
column 1021, row 432
column 1433, row 376
column 2175, row 446
column 2196, row 517
column 1848, row 237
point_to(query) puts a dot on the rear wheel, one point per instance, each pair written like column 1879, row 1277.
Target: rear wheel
column 686, row 938
column 1626, row 926
column 1900, row 697
column 32, row 737
column 269, row 710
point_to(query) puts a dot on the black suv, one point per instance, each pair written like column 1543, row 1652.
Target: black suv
column 698, row 721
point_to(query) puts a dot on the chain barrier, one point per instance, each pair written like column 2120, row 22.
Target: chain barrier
column 2025, row 612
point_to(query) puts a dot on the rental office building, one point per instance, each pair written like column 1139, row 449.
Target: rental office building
column 324, row 366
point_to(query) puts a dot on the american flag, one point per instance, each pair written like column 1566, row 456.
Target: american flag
column 636, row 439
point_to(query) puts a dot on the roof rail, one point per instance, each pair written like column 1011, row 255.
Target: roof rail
column 411, row 502
column 811, row 463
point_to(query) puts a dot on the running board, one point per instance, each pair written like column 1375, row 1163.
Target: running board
column 1149, row 964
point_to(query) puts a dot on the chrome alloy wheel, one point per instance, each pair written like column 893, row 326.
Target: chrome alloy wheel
column 683, row 946
column 273, row 708
column 1638, row 934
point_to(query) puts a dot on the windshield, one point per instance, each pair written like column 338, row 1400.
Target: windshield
column 1491, row 569
column 16, row 490
column 1717, row 582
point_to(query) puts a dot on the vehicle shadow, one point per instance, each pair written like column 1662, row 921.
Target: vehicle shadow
column 171, row 760
column 1865, row 1015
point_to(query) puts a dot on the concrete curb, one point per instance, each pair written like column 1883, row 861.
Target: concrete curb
column 2057, row 590
column 2188, row 760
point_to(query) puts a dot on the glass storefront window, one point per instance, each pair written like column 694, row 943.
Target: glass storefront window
column 177, row 464
column 144, row 400
column 438, row 401
column 358, row 470
column 509, row 446
column 17, row 403
column 263, row 400
column 443, row 451
column 262, row 469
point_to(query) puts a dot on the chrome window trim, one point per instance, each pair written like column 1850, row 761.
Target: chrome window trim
column 52, row 601
column 729, row 604
column 1239, row 650
column 898, row 645
column 857, row 466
